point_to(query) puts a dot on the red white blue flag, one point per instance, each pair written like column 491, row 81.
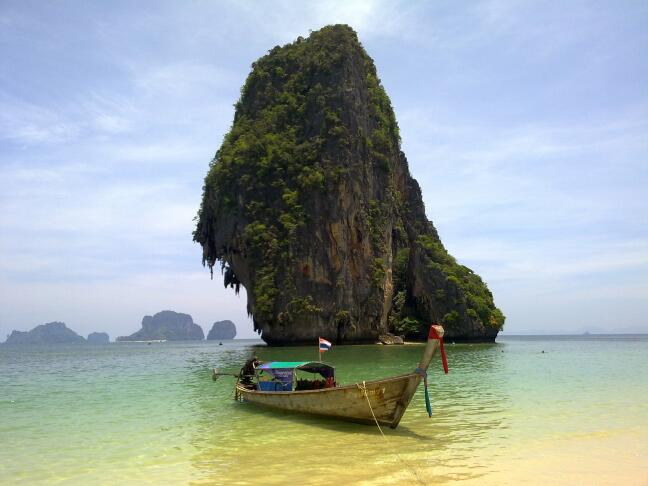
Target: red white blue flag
column 324, row 345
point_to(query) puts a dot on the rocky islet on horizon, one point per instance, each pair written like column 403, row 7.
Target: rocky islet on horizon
column 49, row 333
column 167, row 325
column 55, row 333
column 310, row 205
column 222, row 330
column 98, row 338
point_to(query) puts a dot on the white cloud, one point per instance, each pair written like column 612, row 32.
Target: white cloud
column 287, row 20
column 158, row 152
column 180, row 78
column 27, row 123
column 554, row 259
column 534, row 174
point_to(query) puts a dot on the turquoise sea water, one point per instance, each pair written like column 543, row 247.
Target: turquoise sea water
column 508, row 412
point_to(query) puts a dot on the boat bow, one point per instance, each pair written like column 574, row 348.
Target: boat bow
column 434, row 342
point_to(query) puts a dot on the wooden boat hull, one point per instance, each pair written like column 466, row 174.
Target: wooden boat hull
column 389, row 399
column 384, row 401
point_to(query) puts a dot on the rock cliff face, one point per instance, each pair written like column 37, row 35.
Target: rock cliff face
column 50, row 333
column 309, row 204
column 169, row 325
column 222, row 330
column 98, row 338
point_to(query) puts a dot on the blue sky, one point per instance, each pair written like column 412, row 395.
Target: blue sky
column 526, row 124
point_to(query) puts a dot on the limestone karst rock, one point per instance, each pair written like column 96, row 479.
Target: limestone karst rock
column 50, row 333
column 222, row 330
column 310, row 205
column 169, row 325
column 98, row 338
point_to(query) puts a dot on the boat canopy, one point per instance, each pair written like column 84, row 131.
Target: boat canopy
column 274, row 367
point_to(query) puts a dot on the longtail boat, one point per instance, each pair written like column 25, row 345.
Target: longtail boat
column 275, row 384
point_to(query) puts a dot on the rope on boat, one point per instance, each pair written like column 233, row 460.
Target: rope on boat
column 363, row 387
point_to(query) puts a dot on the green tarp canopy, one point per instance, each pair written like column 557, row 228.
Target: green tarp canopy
column 274, row 365
column 323, row 369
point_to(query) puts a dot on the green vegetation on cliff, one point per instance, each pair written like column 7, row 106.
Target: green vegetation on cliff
column 478, row 298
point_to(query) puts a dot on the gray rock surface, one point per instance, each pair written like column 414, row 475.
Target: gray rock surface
column 390, row 339
column 50, row 333
column 222, row 330
column 167, row 325
column 98, row 338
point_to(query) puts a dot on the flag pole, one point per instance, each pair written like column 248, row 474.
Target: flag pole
column 319, row 349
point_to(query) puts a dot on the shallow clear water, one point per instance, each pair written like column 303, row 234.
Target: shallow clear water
column 506, row 413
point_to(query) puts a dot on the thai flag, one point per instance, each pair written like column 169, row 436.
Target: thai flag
column 324, row 345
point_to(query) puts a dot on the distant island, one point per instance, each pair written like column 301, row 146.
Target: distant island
column 222, row 330
column 167, row 325
column 50, row 333
column 98, row 338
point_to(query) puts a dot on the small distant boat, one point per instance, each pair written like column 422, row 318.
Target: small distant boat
column 275, row 384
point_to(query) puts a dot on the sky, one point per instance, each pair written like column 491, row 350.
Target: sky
column 525, row 123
